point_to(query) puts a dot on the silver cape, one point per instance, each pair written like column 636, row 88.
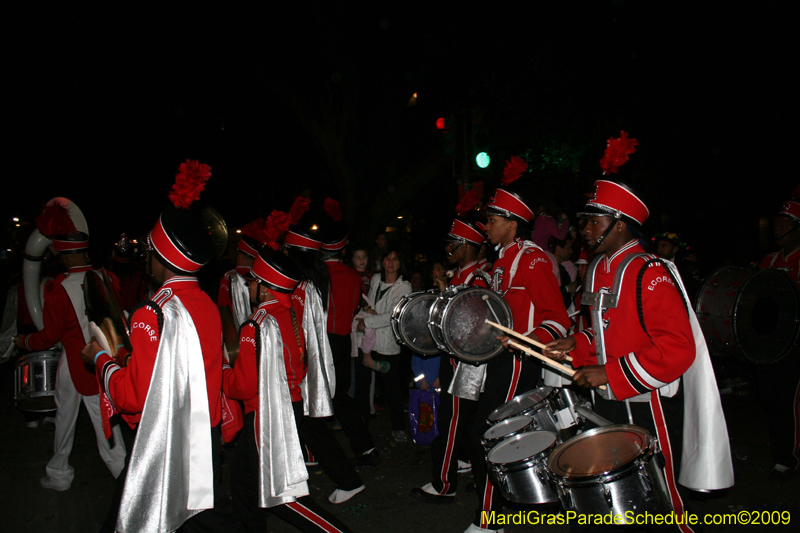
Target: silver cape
column 240, row 298
column 319, row 385
column 282, row 472
column 170, row 476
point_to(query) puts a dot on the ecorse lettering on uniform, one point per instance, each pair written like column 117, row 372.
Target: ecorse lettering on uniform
column 537, row 260
column 147, row 329
column 658, row 280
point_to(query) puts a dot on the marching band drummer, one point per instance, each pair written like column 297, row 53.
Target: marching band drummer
column 782, row 378
column 65, row 321
column 523, row 274
column 455, row 413
column 641, row 349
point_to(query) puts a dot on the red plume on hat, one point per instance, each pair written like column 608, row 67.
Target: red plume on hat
column 514, row 169
column 189, row 183
column 55, row 220
column 467, row 202
column 299, row 208
column 617, row 152
column 276, row 225
column 255, row 229
column 332, row 209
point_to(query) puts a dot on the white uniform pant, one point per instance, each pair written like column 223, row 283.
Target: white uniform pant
column 68, row 403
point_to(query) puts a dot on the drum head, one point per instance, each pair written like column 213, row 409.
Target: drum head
column 521, row 447
column 463, row 323
column 521, row 404
column 765, row 325
column 507, row 427
column 411, row 326
column 599, row 451
column 753, row 315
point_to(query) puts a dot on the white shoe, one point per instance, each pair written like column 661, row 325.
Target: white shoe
column 464, row 467
column 475, row 529
column 340, row 496
column 53, row 484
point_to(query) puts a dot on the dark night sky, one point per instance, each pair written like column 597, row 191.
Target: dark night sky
column 101, row 106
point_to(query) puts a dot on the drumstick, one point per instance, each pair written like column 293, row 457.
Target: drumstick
column 521, row 336
column 547, row 360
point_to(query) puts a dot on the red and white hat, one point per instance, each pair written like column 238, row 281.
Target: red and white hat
column 302, row 241
column 335, row 245
column 276, row 271
column 188, row 235
column 62, row 222
column 464, row 232
column 618, row 201
column 790, row 209
column 509, row 205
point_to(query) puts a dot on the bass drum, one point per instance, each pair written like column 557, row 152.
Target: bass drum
column 753, row 315
column 410, row 322
column 458, row 322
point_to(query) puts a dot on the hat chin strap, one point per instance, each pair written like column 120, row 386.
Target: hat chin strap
column 603, row 237
column 796, row 225
column 450, row 254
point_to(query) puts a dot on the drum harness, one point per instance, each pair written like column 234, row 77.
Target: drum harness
column 608, row 299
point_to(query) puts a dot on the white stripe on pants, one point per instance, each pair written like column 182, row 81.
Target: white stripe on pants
column 68, row 403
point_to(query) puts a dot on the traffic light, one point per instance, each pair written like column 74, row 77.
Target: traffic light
column 447, row 125
column 479, row 153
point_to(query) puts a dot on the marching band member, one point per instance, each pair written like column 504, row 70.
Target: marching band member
column 647, row 348
column 170, row 388
column 233, row 297
column 268, row 470
column 782, row 378
column 65, row 321
column 345, row 295
column 317, row 372
column 523, row 274
column 456, row 414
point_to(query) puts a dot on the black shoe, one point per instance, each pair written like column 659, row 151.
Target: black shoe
column 427, row 497
column 368, row 459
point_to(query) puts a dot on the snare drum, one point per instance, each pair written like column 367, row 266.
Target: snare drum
column 35, row 381
column 610, row 470
column 458, row 325
column 536, row 403
column 410, row 322
column 510, row 427
column 518, row 466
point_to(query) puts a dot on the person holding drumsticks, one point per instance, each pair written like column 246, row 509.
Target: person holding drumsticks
column 523, row 274
column 642, row 343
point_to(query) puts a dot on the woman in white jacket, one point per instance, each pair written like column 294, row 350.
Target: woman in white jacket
column 386, row 291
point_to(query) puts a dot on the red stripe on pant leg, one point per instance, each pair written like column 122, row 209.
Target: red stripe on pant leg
column 451, row 439
column 313, row 517
column 666, row 449
column 488, row 493
column 512, row 388
column 310, row 455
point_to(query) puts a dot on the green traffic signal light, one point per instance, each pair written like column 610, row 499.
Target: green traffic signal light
column 482, row 160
